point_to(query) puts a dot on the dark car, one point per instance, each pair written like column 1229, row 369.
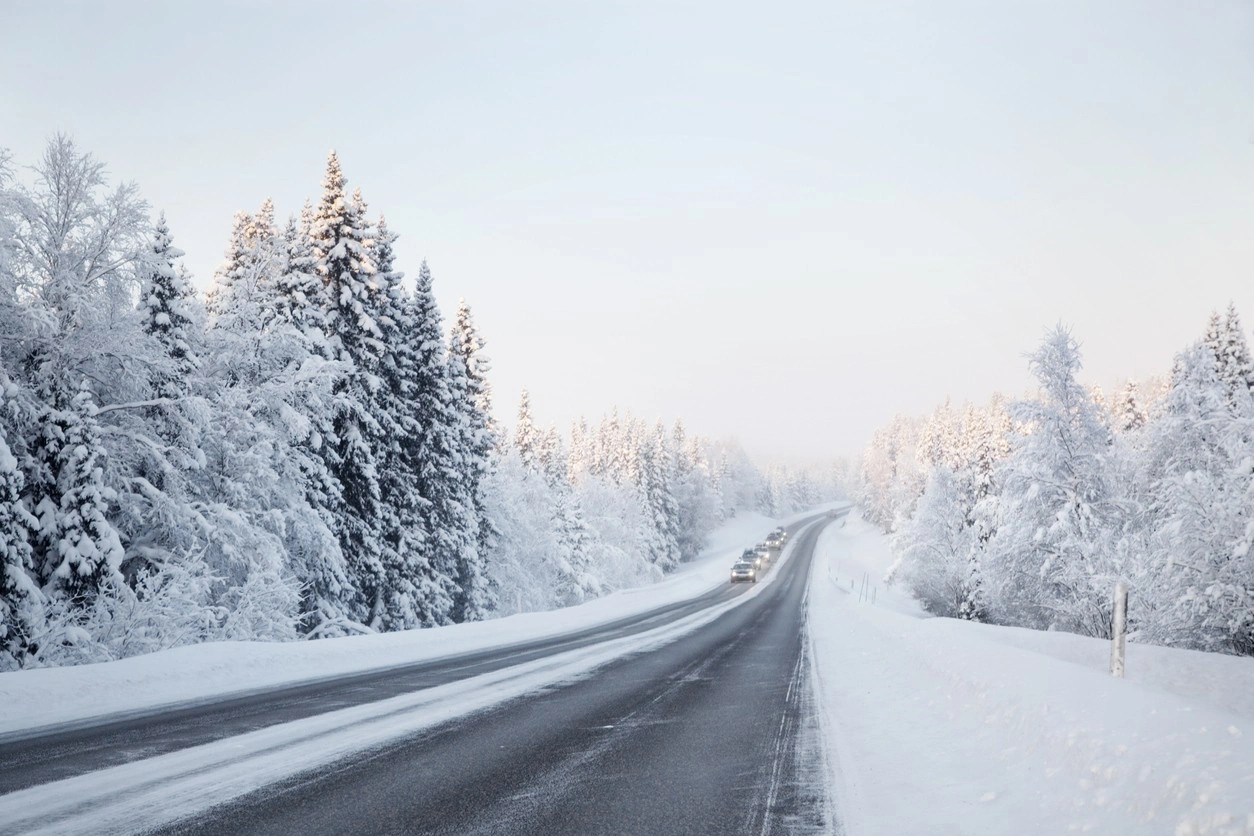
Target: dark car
column 752, row 556
column 744, row 571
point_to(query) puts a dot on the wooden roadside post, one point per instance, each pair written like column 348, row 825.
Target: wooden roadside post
column 1119, row 630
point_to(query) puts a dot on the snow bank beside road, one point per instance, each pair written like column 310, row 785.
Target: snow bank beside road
column 942, row 726
column 53, row 696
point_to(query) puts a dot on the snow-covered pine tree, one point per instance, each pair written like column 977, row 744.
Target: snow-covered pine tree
column 939, row 438
column 300, row 292
column 572, row 557
column 654, row 485
column 441, row 481
column 21, row 601
column 723, row 484
column 1130, row 415
column 164, row 296
column 582, row 450
column 526, row 435
column 472, row 394
column 696, row 503
column 1236, row 368
column 245, row 292
column 620, row 448
column 81, row 550
column 235, row 277
column 1098, row 396
column 402, row 599
column 341, row 244
column 166, row 303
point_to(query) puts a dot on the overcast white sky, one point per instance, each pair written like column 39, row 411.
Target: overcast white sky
column 784, row 221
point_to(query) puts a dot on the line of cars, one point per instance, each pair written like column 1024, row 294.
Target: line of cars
column 755, row 561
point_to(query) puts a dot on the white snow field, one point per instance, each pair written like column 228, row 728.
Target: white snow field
column 939, row 726
column 196, row 673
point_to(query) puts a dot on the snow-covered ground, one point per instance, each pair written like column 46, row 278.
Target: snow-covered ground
column 54, row 696
column 942, row 726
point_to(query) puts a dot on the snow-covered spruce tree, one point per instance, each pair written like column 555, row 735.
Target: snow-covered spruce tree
column 1130, row 414
column 448, row 511
column 521, row 566
column 656, row 497
column 1236, row 368
column 81, row 550
column 723, row 485
column 1049, row 559
column 891, row 477
column 232, row 271
column 472, row 398
column 245, row 293
column 300, row 292
column 696, row 502
column 166, row 302
column 941, row 546
column 408, row 574
column 582, row 450
column 526, row 434
column 21, row 601
column 341, row 246
column 939, row 440
column 775, row 499
column 164, row 297
column 618, row 448
column 418, row 593
column 573, row 555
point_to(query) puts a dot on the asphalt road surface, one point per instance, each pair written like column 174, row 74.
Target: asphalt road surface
column 711, row 734
column 64, row 751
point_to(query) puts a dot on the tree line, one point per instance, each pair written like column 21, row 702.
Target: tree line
column 305, row 452
column 1027, row 512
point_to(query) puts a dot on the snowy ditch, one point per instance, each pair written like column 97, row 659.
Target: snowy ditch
column 160, row 790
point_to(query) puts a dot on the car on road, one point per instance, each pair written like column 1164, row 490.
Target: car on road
column 744, row 571
column 764, row 550
column 753, row 556
column 776, row 539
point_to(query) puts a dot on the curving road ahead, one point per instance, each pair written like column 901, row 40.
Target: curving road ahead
column 713, row 734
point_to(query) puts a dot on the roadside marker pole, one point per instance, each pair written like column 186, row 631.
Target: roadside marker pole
column 1118, row 630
